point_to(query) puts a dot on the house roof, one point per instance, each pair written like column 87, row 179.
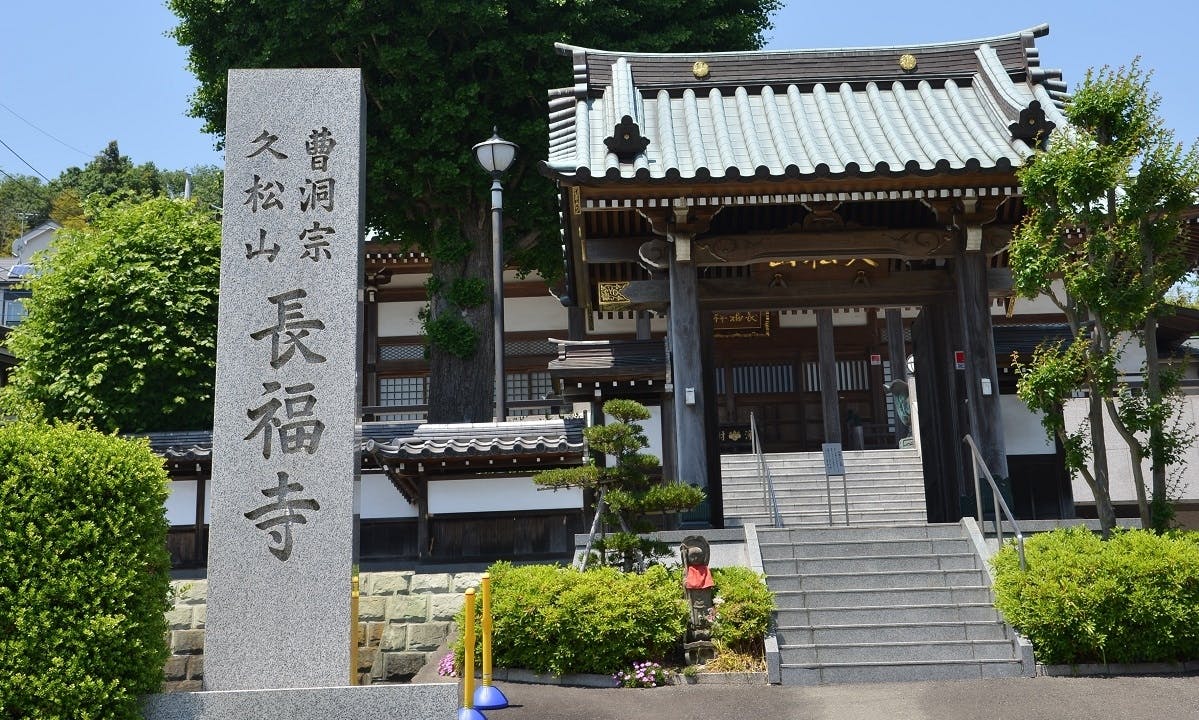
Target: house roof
column 940, row 108
column 387, row 442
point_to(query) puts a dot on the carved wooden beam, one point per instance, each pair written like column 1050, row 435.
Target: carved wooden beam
column 907, row 288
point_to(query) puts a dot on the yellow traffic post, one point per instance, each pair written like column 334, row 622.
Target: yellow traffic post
column 354, row 628
column 467, row 711
column 487, row 696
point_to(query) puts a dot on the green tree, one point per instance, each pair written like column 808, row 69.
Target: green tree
column 628, row 494
column 1105, row 201
column 121, row 331
column 24, row 204
column 438, row 76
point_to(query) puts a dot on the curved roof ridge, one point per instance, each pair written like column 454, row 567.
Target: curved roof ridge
column 1040, row 30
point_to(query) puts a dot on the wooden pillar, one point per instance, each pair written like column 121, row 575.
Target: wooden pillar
column 422, row 519
column 711, row 425
column 828, row 376
column 982, row 376
column 576, row 323
column 643, row 324
column 933, row 343
column 370, row 350
column 897, row 354
column 687, row 374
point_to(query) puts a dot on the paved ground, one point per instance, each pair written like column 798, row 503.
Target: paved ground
column 1147, row 698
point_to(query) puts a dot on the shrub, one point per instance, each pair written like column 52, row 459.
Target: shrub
column 557, row 620
column 83, row 573
column 1133, row 598
column 743, row 609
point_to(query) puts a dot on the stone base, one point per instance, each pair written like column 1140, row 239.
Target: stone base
column 373, row 702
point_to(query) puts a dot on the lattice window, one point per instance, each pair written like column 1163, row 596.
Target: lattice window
column 528, row 386
column 395, row 391
column 851, row 375
column 520, row 348
column 763, row 379
column 411, row 351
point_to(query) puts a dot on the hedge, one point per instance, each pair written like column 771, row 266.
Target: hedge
column 558, row 620
column 83, row 573
column 1133, row 598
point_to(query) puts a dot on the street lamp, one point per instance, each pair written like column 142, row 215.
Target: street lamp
column 495, row 155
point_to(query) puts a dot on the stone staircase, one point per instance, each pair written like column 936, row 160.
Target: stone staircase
column 885, row 603
column 882, row 486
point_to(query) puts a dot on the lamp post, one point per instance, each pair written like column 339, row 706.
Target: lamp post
column 495, row 155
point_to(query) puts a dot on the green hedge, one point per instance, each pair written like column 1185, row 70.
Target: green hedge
column 83, row 573
column 1133, row 598
column 557, row 620
column 743, row 610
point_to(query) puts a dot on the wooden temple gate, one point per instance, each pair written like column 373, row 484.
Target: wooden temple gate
column 754, row 199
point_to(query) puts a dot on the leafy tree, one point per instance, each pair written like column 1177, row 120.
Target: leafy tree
column 24, row 204
column 627, row 493
column 121, row 330
column 438, row 76
column 1105, row 201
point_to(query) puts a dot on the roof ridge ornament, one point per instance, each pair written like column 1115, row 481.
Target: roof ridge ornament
column 626, row 141
column 1033, row 127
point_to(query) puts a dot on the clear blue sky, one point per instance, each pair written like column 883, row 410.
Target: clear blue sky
column 87, row 72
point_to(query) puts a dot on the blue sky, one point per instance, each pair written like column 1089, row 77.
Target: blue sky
column 87, row 72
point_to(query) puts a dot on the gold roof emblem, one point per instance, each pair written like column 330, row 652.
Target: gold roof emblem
column 700, row 69
column 907, row 62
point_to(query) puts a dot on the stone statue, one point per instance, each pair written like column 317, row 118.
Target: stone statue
column 699, row 590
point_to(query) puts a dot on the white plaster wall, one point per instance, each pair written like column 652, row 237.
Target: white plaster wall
column 181, row 502
column 807, row 318
column 1120, row 464
column 1023, row 433
column 498, row 494
column 533, row 314
column 1040, row 305
column 399, row 318
column 616, row 326
column 376, row 497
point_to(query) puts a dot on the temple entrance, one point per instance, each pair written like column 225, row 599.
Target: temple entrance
column 772, row 371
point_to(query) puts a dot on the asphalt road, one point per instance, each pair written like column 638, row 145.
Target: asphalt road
column 1045, row 698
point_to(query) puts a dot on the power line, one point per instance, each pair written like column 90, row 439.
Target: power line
column 14, row 152
column 35, row 127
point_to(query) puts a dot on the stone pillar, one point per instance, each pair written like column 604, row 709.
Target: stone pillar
column 828, row 376
column 686, row 354
column 285, row 455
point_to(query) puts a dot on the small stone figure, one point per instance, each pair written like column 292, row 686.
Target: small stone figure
column 699, row 589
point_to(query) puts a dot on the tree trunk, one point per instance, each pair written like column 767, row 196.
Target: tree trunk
column 1135, row 454
column 462, row 389
column 1153, row 392
column 1102, row 488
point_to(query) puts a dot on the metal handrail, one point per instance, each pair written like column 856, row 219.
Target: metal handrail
column 768, row 497
column 997, row 502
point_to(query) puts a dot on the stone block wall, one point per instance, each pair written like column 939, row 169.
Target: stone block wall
column 403, row 619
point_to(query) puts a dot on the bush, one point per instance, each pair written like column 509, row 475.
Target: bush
column 1133, row 598
column 743, row 610
column 557, row 620
column 83, row 573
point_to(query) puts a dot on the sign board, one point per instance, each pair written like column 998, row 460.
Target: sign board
column 959, row 359
column 834, row 462
column 876, row 359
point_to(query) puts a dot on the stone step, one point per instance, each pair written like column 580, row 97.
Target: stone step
column 898, row 652
column 797, row 616
column 892, row 632
column 871, row 547
column 881, row 597
column 950, row 561
column 852, row 475
column 911, row 531
column 828, row 673
column 820, row 492
column 875, row 580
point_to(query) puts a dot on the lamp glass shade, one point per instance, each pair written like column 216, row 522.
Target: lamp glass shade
column 495, row 154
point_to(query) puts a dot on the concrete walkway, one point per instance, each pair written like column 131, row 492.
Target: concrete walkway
column 1043, row 698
